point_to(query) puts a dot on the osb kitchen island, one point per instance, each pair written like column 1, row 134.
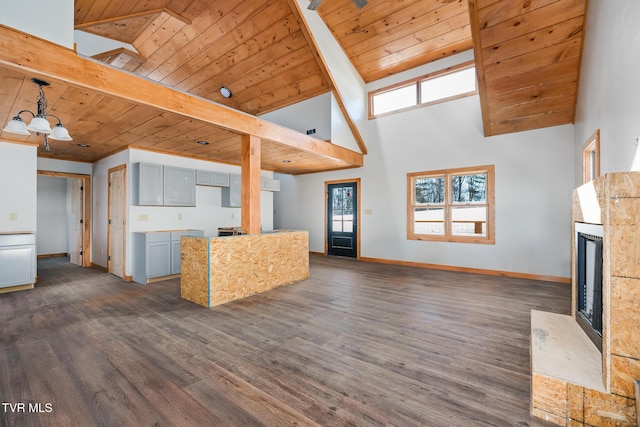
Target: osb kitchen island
column 216, row 270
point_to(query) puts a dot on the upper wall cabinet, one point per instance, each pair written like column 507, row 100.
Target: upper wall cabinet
column 150, row 184
column 212, row 179
column 268, row 184
column 179, row 186
column 159, row 185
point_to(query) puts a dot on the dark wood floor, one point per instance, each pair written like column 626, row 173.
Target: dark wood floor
column 356, row 344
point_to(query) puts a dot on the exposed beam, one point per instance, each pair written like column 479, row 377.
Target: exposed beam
column 29, row 54
column 132, row 16
column 250, row 184
column 474, row 21
column 295, row 8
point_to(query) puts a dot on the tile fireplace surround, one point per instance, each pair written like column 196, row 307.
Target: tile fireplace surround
column 572, row 383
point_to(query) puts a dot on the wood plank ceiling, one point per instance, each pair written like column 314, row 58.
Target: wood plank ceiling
column 527, row 51
column 528, row 55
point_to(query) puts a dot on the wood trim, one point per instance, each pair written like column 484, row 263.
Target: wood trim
column 16, row 288
column 99, row 267
column 62, row 64
column 474, row 21
column 132, row 16
column 44, row 256
column 250, row 183
column 117, row 51
column 416, row 81
column 515, row 275
column 489, row 239
column 86, row 214
column 591, row 145
column 317, row 253
column 326, row 72
column 123, row 168
column 358, row 216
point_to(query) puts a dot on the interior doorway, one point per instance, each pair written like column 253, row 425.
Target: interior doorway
column 75, row 228
column 116, row 264
column 342, row 220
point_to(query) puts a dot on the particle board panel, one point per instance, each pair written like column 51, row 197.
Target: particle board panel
column 240, row 266
column 194, row 269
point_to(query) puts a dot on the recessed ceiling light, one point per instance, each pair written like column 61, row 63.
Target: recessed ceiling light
column 286, row 161
column 203, row 143
column 83, row 145
column 225, row 91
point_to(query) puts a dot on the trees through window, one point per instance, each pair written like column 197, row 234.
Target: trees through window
column 451, row 205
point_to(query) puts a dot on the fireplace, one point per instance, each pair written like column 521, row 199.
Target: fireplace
column 589, row 280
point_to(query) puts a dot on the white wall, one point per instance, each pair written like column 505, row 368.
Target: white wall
column 534, row 180
column 609, row 91
column 52, row 237
column 17, row 187
column 52, row 165
column 208, row 215
column 314, row 113
column 49, row 20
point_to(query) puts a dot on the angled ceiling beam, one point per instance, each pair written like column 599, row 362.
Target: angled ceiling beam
column 29, row 54
column 295, row 8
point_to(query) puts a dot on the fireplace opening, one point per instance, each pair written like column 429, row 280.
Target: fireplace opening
column 589, row 281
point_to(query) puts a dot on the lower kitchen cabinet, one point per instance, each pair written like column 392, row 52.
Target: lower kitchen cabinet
column 156, row 254
column 17, row 260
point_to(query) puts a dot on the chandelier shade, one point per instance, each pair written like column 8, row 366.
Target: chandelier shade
column 39, row 124
column 60, row 133
column 17, row 126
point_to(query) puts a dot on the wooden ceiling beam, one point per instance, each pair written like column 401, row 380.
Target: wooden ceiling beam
column 29, row 54
column 297, row 13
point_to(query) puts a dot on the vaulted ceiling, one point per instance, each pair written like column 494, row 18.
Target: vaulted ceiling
column 527, row 52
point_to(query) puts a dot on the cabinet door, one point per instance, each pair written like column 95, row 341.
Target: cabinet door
column 268, row 184
column 175, row 257
column 212, row 179
column 17, row 264
column 179, row 186
column 150, row 184
column 220, row 179
column 158, row 259
column 232, row 195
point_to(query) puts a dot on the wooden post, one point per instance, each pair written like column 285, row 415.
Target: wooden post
column 250, row 161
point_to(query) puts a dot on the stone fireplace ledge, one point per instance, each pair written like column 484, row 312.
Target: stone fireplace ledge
column 561, row 350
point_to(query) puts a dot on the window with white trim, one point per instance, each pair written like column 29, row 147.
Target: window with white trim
column 454, row 205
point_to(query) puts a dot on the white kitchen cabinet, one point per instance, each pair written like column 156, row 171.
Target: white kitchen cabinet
column 232, row 195
column 269, row 184
column 150, row 184
column 17, row 260
column 212, row 179
column 179, row 186
column 156, row 254
column 158, row 185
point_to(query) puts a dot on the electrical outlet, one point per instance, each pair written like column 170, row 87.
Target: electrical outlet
column 368, row 211
column 179, row 217
column 13, row 217
column 233, row 215
column 143, row 217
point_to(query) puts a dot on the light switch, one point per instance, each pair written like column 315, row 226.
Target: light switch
column 143, row 217
column 13, row 216
column 368, row 211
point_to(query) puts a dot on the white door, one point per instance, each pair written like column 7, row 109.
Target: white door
column 75, row 187
column 116, row 222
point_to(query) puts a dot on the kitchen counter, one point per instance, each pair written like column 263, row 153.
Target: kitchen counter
column 216, row 270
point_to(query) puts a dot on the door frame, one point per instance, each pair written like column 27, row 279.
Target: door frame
column 86, row 209
column 123, row 168
column 326, row 218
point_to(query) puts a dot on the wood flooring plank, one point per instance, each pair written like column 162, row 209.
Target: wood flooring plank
column 358, row 344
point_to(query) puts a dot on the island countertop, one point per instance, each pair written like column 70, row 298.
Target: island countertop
column 216, row 270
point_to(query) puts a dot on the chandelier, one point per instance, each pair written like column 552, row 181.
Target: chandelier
column 39, row 123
